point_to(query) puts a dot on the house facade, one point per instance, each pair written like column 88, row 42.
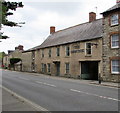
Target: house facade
column 73, row 52
column 6, row 61
column 111, row 44
column 86, row 51
column 72, row 60
column 27, row 61
column 17, row 53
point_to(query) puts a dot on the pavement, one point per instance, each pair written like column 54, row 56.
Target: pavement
column 94, row 82
column 109, row 84
column 11, row 102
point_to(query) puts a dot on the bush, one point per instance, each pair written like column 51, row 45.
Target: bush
column 14, row 60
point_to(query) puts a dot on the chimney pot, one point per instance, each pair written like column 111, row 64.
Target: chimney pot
column 20, row 47
column 52, row 29
column 92, row 16
column 117, row 1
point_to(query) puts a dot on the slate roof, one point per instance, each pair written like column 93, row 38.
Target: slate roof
column 32, row 49
column 81, row 32
column 115, row 7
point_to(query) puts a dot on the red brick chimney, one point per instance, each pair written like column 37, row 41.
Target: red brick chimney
column 92, row 16
column 117, row 1
column 52, row 29
column 20, row 47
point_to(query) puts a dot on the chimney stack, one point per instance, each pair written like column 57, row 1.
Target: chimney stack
column 118, row 1
column 52, row 29
column 92, row 16
column 16, row 48
column 20, row 47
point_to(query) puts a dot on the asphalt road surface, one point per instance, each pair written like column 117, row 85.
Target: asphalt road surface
column 59, row 94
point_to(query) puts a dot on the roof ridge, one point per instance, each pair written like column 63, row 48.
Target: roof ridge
column 53, row 39
column 76, row 25
column 116, row 6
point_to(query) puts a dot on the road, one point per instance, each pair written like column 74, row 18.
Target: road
column 59, row 94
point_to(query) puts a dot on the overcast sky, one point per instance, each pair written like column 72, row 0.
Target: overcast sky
column 39, row 15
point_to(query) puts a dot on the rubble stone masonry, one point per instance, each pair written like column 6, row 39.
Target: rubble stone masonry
column 108, row 52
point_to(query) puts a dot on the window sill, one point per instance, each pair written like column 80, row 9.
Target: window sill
column 114, row 47
column 88, row 55
column 114, row 25
column 67, row 56
column 115, row 73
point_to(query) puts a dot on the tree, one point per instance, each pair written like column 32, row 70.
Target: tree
column 2, row 54
column 13, row 61
column 5, row 8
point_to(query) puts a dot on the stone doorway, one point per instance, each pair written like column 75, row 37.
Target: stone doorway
column 89, row 70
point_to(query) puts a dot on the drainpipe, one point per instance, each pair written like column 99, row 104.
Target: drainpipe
column 99, row 78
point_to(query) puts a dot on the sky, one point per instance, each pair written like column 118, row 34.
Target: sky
column 39, row 15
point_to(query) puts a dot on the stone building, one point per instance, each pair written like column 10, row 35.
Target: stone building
column 28, row 60
column 17, row 53
column 6, row 61
column 2, row 55
column 85, row 51
column 73, row 52
column 111, row 43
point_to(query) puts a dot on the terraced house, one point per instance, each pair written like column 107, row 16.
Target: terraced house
column 73, row 52
column 111, row 43
column 17, row 53
column 86, row 51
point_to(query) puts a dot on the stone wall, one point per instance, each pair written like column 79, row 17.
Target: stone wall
column 76, row 56
column 108, row 52
column 26, row 61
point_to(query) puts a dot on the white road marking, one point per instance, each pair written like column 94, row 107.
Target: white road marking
column 49, row 85
column 23, row 78
column 39, row 82
column 94, row 95
column 87, row 83
column 45, row 84
column 36, row 106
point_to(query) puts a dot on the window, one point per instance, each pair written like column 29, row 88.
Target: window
column 115, row 65
column 49, row 66
column 32, row 66
column 115, row 41
column 67, row 66
column 88, row 49
column 33, row 54
column 42, row 53
column 114, row 19
column 67, row 51
column 49, row 53
column 76, row 47
column 42, row 67
column 58, row 51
